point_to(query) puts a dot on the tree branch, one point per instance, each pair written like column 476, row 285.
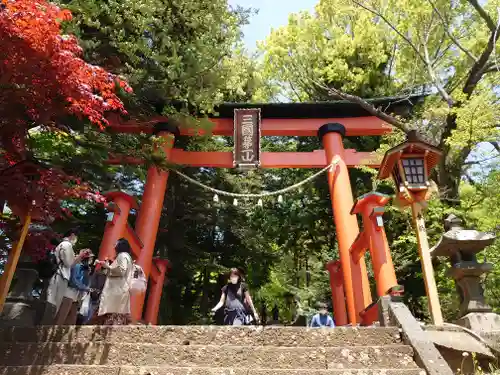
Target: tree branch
column 424, row 57
column 434, row 78
column 407, row 40
column 475, row 162
column 370, row 108
column 448, row 32
column 485, row 16
column 491, row 67
column 480, row 67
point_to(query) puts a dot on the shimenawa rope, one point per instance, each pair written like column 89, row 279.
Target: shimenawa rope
column 331, row 166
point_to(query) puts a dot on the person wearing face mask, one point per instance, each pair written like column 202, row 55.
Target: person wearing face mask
column 66, row 259
column 322, row 318
column 78, row 289
column 114, row 303
column 235, row 298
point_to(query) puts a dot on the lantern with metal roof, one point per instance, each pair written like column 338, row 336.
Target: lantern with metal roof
column 410, row 164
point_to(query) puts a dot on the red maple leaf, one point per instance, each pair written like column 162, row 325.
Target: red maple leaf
column 43, row 79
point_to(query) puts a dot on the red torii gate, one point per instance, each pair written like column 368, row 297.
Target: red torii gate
column 330, row 121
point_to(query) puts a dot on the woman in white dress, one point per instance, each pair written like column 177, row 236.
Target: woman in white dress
column 114, row 306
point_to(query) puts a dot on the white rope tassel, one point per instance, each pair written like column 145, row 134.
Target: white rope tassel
column 280, row 199
column 216, row 198
column 259, row 203
column 235, row 202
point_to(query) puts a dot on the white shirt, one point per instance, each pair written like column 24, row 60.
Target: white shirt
column 65, row 256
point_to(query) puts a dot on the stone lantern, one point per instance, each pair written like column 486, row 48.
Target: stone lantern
column 461, row 247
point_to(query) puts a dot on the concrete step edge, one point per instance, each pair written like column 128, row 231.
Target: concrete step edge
column 213, row 356
column 161, row 370
column 200, row 334
column 209, row 327
column 202, row 346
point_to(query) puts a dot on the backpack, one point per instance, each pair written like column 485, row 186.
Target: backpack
column 48, row 266
column 139, row 282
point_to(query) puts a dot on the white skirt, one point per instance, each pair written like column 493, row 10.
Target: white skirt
column 57, row 290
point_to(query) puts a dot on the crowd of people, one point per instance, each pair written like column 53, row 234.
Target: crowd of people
column 83, row 290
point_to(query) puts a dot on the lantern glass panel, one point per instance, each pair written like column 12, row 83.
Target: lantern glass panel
column 414, row 170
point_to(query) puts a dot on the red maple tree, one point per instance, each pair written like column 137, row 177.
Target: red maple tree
column 42, row 74
column 43, row 79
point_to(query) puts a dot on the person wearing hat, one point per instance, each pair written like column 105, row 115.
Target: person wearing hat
column 322, row 318
column 78, row 288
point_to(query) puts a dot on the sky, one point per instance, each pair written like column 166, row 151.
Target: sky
column 272, row 14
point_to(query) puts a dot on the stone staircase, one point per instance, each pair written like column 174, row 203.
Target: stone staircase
column 203, row 350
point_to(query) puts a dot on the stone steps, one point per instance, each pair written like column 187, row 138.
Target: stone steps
column 206, row 335
column 388, row 356
column 131, row 370
column 200, row 350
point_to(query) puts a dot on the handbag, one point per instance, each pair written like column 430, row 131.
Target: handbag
column 85, row 305
column 139, row 283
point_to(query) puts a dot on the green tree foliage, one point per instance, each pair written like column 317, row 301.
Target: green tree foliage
column 444, row 50
column 170, row 50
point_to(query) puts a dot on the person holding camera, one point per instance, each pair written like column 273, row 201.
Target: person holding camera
column 78, row 288
column 91, row 301
column 114, row 304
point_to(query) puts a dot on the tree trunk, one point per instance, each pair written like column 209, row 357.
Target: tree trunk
column 449, row 183
column 205, row 292
column 450, row 171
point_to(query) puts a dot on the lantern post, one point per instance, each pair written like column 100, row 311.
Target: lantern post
column 409, row 164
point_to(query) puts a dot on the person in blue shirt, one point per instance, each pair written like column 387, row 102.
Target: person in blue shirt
column 322, row 318
column 78, row 287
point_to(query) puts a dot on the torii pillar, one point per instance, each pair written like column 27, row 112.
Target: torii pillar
column 148, row 218
column 371, row 208
column 155, row 292
column 117, row 223
column 338, row 296
column 356, row 286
